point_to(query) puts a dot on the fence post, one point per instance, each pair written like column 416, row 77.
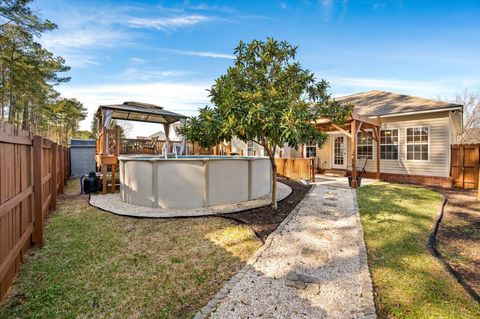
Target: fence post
column 476, row 158
column 53, row 179
column 461, row 161
column 61, row 168
column 37, row 191
column 65, row 166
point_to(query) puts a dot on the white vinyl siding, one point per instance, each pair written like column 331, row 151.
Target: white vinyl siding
column 242, row 148
column 323, row 155
column 439, row 163
column 439, row 147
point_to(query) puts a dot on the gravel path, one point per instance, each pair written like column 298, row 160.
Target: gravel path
column 114, row 204
column 313, row 266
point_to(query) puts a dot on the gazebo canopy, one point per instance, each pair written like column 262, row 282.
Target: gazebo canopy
column 136, row 111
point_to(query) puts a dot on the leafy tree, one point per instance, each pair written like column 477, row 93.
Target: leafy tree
column 266, row 97
column 28, row 72
column 471, row 116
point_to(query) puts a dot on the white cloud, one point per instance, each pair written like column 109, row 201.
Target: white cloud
column 146, row 74
column 168, row 23
column 81, row 38
column 136, row 60
column 206, row 7
column 183, row 98
column 203, row 54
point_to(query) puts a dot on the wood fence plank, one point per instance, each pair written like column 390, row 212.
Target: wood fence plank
column 38, row 191
column 461, row 157
column 476, row 160
column 53, row 180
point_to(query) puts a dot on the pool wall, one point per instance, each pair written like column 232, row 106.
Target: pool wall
column 193, row 182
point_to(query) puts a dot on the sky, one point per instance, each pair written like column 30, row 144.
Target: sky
column 170, row 52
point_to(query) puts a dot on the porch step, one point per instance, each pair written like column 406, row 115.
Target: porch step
column 336, row 172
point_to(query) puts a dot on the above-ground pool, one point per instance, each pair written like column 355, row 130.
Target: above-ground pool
column 193, row 181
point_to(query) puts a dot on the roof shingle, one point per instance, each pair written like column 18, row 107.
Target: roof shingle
column 374, row 103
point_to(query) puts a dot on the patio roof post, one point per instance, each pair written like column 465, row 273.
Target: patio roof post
column 354, row 153
column 377, row 133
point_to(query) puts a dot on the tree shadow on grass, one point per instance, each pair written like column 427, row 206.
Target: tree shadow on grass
column 96, row 264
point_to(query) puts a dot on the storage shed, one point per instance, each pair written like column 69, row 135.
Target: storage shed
column 82, row 156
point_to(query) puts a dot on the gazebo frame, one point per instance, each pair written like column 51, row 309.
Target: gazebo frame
column 355, row 124
column 108, row 139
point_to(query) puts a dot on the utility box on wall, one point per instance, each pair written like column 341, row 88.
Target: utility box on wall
column 82, row 157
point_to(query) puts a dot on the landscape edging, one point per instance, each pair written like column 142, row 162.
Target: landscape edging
column 365, row 275
column 436, row 253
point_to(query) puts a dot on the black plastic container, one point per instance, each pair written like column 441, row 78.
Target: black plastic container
column 359, row 181
column 91, row 184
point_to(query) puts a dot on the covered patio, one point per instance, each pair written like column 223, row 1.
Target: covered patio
column 109, row 145
column 357, row 123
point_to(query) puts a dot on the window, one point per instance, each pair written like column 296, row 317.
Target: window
column 389, row 144
column 310, row 151
column 250, row 150
column 417, row 143
column 364, row 145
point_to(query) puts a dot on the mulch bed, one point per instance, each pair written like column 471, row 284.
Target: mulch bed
column 458, row 237
column 264, row 220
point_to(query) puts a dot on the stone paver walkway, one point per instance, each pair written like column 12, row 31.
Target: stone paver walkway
column 313, row 266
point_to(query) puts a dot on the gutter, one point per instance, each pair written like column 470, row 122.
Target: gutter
column 420, row 112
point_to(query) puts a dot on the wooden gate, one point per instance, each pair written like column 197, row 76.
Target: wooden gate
column 465, row 165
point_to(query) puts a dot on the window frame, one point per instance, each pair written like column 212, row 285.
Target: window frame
column 398, row 145
column 372, row 145
column 252, row 148
column 428, row 143
column 311, row 146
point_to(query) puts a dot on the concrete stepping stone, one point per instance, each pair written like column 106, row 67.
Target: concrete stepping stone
column 327, row 211
column 329, row 204
column 315, row 254
column 300, row 281
column 295, row 284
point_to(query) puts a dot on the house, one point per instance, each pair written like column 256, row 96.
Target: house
column 414, row 138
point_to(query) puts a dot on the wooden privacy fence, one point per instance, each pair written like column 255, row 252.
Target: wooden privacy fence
column 465, row 165
column 33, row 170
column 296, row 168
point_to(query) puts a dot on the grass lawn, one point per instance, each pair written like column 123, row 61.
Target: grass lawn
column 409, row 282
column 96, row 264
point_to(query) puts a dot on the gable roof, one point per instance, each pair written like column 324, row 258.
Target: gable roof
column 374, row 103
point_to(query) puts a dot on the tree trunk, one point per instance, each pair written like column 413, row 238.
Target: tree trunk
column 271, row 155
column 2, row 96
column 274, row 184
column 11, row 107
